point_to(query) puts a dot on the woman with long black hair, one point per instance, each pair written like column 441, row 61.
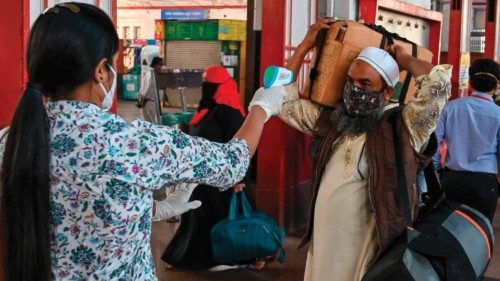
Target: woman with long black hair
column 76, row 180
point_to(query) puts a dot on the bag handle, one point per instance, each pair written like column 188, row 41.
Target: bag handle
column 281, row 250
column 246, row 209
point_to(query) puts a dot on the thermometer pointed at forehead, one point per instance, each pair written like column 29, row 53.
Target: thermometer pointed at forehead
column 277, row 76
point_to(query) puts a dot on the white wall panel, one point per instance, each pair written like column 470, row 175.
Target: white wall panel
column 418, row 31
column 300, row 20
column 343, row 9
column 37, row 6
column 421, row 3
column 300, row 14
column 36, row 9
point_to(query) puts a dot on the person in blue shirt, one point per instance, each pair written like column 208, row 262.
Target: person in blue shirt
column 471, row 128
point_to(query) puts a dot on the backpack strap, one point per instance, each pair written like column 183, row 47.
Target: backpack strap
column 402, row 186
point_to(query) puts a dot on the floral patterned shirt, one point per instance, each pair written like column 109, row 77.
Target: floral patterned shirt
column 420, row 114
column 102, row 172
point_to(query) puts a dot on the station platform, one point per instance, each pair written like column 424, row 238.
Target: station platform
column 291, row 270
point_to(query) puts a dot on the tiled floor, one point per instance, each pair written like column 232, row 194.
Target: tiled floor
column 293, row 268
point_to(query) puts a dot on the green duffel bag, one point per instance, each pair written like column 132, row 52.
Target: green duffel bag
column 246, row 235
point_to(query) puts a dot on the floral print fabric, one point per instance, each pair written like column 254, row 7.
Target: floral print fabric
column 102, row 171
column 421, row 115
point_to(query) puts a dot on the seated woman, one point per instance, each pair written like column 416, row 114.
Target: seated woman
column 219, row 117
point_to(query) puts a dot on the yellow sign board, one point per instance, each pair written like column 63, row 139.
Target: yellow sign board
column 232, row 30
column 463, row 82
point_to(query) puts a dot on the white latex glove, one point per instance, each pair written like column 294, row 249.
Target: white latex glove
column 269, row 99
column 176, row 202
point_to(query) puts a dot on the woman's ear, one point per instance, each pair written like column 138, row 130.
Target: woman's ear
column 101, row 73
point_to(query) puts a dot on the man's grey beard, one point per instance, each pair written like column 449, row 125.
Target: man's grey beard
column 356, row 125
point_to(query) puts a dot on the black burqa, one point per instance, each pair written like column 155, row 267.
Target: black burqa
column 191, row 247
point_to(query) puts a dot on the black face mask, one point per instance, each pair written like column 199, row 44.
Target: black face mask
column 207, row 94
column 359, row 102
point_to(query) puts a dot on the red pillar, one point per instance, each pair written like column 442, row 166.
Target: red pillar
column 490, row 26
column 14, row 28
column 283, row 164
column 435, row 40
column 270, row 166
column 368, row 10
column 454, row 35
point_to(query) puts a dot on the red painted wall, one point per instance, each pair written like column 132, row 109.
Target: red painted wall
column 14, row 24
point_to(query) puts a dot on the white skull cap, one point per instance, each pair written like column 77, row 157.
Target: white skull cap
column 382, row 62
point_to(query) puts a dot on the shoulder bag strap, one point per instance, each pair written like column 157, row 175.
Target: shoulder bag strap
column 401, row 177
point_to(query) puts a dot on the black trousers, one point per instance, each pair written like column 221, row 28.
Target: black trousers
column 477, row 190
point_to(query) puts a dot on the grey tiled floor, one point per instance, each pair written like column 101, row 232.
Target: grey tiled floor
column 292, row 270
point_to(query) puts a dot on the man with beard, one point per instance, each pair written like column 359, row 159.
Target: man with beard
column 355, row 211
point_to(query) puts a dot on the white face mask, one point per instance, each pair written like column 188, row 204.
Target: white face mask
column 107, row 102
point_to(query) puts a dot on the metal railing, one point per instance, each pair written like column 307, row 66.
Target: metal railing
column 477, row 41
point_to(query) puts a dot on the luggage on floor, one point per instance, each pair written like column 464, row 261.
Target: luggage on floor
column 246, row 235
